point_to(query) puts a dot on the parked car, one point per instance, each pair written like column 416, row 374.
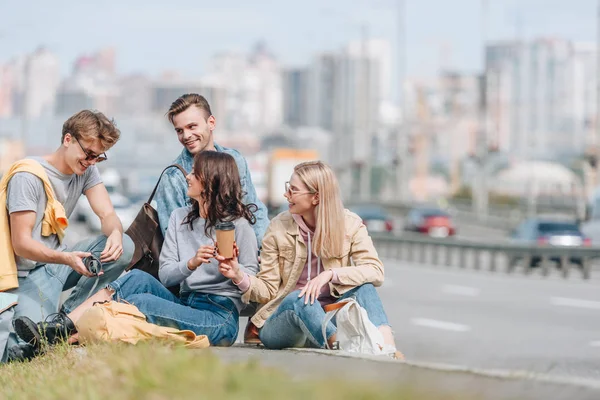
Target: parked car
column 375, row 218
column 546, row 232
column 434, row 222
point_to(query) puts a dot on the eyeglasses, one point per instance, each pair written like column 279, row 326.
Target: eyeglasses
column 288, row 190
column 91, row 157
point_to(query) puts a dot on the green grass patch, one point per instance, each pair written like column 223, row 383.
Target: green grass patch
column 155, row 371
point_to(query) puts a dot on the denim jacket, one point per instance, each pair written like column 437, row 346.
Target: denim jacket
column 172, row 191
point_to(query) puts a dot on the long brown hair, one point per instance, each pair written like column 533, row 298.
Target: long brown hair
column 222, row 194
column 329, row 230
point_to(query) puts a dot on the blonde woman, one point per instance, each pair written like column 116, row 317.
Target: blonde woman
column 316, row 254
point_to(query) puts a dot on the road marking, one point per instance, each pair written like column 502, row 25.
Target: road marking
column 595, row 343
column 461, row 290
column 436, row 324
column 580, row 303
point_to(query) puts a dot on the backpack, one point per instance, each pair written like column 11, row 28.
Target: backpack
column 355, row 331
column 114, row 321
column 148, row 237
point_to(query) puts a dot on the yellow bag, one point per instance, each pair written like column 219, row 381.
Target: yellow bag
column 114, row 321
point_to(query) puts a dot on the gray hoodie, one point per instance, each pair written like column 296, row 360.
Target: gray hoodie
column 181, row 243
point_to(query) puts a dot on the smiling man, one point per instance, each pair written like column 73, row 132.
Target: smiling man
column 194, row 124
column 45, row 266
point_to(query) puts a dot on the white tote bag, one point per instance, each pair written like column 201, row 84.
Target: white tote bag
column 355, row 331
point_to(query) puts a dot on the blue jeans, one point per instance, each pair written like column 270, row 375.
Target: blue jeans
column 295, row 324
column 204, row 314
column 39, row 292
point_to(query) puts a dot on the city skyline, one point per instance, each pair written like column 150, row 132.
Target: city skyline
column 449, row 37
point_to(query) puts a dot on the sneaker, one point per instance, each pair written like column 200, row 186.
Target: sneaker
column 251, row 334
column 55, row 328
column 20, row 352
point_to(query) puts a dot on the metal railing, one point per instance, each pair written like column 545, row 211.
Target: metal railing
column 486, row 256
column 505, row 217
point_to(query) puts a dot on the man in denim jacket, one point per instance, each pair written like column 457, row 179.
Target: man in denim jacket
column 194, row 123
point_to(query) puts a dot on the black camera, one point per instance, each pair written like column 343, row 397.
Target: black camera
column 93, row 264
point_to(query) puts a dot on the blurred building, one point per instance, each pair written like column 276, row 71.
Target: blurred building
column 41, row 81
column 6, row 91
column 253, row 86
column 93, row 83
column 342, row 92
column 379, row 51
column 540, row 96
column 584, row 89
column 321, row 90
column 135, row 96
column 11, row 150
column 295, row 97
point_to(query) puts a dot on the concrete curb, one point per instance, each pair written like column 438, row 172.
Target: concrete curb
column 456, row 381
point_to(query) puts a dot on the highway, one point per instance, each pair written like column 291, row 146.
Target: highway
column 494, row 321
column 548, row 326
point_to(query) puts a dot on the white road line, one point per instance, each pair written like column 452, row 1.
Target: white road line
column 436, row 324
column 595, row 343
column 461, row 290
column 570, row 302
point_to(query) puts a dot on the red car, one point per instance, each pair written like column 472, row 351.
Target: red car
column 430, row 221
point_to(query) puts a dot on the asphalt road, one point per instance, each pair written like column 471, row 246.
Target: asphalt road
column 480, row 320
column 494, row 321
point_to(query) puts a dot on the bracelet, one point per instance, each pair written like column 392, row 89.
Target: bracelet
column 237, row 283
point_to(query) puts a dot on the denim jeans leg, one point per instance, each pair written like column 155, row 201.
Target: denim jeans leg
column 81, row 284
column 39, row 293
column 6, row 317
column 137, row 282
column 210, row 320
column 221, row 323
column 366, row 295
column 294, row 323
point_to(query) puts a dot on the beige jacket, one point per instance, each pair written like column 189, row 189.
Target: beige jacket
column 283, row 256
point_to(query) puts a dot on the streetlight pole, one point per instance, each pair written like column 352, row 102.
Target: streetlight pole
column 402, row 158
column 596, row 137
column 480, row 192
column 365, row 125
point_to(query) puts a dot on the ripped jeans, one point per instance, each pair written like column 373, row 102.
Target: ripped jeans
column 295, row 324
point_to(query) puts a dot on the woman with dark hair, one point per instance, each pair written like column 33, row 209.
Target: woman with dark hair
column 209, row 303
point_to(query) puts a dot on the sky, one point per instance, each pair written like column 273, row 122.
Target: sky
column 151, row 36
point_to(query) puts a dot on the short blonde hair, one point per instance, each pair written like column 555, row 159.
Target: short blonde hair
column 88, row 124
column 329, row 230
column 186, row 101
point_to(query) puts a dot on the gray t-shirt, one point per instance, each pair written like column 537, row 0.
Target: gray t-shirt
column 26, row 193
column 182, row 243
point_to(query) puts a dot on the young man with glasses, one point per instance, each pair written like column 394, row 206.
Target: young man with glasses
column 45, row 266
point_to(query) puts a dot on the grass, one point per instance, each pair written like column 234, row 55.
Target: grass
column 155, row 371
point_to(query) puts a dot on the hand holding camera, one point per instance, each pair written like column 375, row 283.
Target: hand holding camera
column 84, row 263
column 93, row 265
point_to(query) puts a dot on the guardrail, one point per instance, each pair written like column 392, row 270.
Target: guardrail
column 486, row 256
column 503, row 217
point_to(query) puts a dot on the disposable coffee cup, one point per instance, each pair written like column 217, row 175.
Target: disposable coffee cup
column 225, row 237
